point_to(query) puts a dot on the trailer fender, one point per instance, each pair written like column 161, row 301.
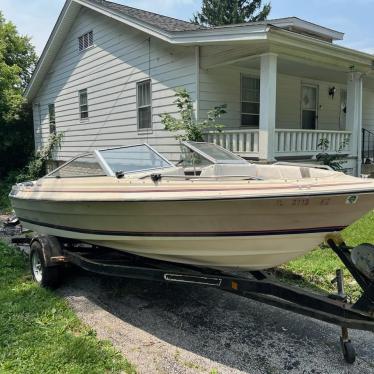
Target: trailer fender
column 51, row 249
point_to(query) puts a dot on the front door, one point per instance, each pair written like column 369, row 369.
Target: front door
column 309, row 114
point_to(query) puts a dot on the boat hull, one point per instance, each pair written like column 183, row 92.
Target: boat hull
column 244, row 233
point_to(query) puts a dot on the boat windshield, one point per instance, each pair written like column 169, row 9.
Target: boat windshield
column 132, row 159
column 208, row 153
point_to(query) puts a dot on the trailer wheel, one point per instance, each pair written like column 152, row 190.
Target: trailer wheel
column 45, row 276
column 349, row 352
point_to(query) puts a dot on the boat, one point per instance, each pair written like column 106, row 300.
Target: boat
column 212, row 209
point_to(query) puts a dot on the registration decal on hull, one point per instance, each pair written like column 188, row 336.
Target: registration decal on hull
column 302, row 202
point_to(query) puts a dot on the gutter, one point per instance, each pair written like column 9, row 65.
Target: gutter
column 293, row 39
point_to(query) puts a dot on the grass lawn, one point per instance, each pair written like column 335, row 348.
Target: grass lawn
column 39, row 333
column 317, row 268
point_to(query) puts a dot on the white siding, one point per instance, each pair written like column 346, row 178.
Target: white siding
column 120, row 57
column 221, row 86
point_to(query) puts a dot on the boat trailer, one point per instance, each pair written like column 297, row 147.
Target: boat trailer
column 49, row 255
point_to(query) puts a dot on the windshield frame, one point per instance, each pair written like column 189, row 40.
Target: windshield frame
column 110, row 172
column 237, row 159
column 50, row 174
column 104, row 165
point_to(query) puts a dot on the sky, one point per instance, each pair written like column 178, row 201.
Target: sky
column 36, row 18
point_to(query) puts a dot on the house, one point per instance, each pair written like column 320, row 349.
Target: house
column 108, row 71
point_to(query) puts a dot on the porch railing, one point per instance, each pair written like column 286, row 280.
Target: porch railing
column 289, row 142
column 242, row 142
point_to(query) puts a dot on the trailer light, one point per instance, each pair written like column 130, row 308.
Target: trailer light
column 234, row 285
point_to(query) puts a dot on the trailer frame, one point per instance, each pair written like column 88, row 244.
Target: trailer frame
column 256, row 285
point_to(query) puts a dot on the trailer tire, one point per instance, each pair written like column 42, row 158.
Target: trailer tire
column 45, row 276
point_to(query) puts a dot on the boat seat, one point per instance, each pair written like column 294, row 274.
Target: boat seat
column 320, row 173
column 268, row 172
column 221, row 170
column 278, row 172
column 291, row 172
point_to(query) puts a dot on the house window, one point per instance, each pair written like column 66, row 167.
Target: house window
column 309, row 100
column 83, row 104
column 250, row 101
column 52, row 118
column 144, row 107
column 85, row 41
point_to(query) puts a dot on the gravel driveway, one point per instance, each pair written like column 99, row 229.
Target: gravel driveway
column 184, row 329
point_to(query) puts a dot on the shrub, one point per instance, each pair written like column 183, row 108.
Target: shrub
column 186, row 127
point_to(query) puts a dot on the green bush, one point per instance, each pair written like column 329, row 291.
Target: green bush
column 186, row 127
column 35, row 169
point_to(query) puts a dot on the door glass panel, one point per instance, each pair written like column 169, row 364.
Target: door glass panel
column 309, row 97
column 309, row 119
column 309, row 107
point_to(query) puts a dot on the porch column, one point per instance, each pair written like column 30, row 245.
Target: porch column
column 354, row 114
column 268, row 101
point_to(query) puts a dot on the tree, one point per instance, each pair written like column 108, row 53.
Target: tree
column 17, row 61
column 228, row 12
column 186, row 127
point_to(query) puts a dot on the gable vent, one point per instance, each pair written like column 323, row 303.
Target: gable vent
column 85, row 41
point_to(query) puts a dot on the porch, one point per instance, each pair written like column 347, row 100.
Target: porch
column 280, row 105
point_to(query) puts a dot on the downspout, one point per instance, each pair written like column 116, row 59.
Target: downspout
column 197, row 82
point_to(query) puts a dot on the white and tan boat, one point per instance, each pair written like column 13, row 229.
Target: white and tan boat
column 220, row 211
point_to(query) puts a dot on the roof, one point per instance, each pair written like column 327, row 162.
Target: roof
column 290, row 32
column 297, row 25
column 157, row 20
column 170, row 24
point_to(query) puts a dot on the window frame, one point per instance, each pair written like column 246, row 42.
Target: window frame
column 316, row 87
column 80, row 92
column 90, row 38
column 52, row 119
column 148, row 129
column 251, row 76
